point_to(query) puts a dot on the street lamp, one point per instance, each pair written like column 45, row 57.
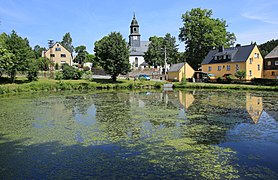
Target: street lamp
column 50, row 45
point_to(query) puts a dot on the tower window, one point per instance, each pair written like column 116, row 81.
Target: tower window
column 134, row 29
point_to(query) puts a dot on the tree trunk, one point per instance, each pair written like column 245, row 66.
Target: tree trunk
column 12, row 75
column 114, row 78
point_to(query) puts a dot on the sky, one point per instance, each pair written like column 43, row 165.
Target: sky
column 90, row 20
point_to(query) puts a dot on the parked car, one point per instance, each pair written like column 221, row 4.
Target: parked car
column 209, row 77
column 144, row 77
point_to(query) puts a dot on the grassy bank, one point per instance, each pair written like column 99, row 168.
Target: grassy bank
column 44, row 84
column 225, row 86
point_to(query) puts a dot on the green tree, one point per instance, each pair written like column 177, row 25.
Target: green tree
column 171, row 48
column 33, row 70
column 112, row 53
column 22, row 52
column 156, row 50
column 90, row 58
column 201, row 33
column 240, row 74
column 38, row 51
column 43, row 63
column 3, row 38
column 155, row 55
column 81, row 54
column 67, row 42
column 6, row 59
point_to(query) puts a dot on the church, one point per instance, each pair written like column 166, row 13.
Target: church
column 137, row 47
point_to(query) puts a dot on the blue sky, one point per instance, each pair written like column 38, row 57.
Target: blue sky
column 90, row 20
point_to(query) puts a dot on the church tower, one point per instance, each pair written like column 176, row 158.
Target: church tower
column 134, row 37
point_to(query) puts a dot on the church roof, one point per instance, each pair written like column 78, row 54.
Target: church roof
column 140, row 51
column 134, row 21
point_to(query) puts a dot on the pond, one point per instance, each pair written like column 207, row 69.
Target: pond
column 140, row 135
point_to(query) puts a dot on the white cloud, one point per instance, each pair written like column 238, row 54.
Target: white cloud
column 262, row 18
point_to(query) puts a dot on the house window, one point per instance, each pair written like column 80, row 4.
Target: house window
column 228, row 67
column 58, row 49
column 250, row 60
column 219, row 68
column 63, row 55
column 269, row 63
column 256, row 55
column 250, row 73
column 259, row 67
column 276, row 63
column 52, row 55
column 136, row 62
column 209, row 68
column 272, row 73
column 237, row 67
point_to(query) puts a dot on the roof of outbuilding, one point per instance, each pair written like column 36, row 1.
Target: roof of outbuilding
column 272, row 54
column 176, row 67
column 237, row 54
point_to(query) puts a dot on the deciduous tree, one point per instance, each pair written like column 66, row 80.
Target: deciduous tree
column 67, row 42
column 22, row 54
column 156, row 50
column 81, row 54
column 201, row 33
column 112, row 54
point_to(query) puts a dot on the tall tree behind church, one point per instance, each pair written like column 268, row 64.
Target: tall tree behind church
column 156, row 50
column 201, row 33
column 67, row 42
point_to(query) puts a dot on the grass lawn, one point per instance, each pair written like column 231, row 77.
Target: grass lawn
column 44, row 84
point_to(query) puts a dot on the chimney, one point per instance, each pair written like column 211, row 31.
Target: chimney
column 221, row 48
column 238, row 45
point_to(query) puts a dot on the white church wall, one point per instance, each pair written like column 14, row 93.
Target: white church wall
column 133, row 63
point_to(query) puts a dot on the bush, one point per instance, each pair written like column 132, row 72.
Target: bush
column 86, row 68
column 58, row 75
column 56, row 66
column 70, row 72
column 183, row 80
column 240, row 74
column 264, row 81
column 88, row 75
column 32, row 72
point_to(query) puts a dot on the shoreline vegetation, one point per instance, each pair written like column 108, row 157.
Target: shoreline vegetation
column 45, row 84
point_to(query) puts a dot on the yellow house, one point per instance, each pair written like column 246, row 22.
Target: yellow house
column 271, row 64
column 254, row 107
column 180, row 70
column 58, row 54
column 226, row 61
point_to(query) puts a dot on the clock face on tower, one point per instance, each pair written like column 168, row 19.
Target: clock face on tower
column 134, row 37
